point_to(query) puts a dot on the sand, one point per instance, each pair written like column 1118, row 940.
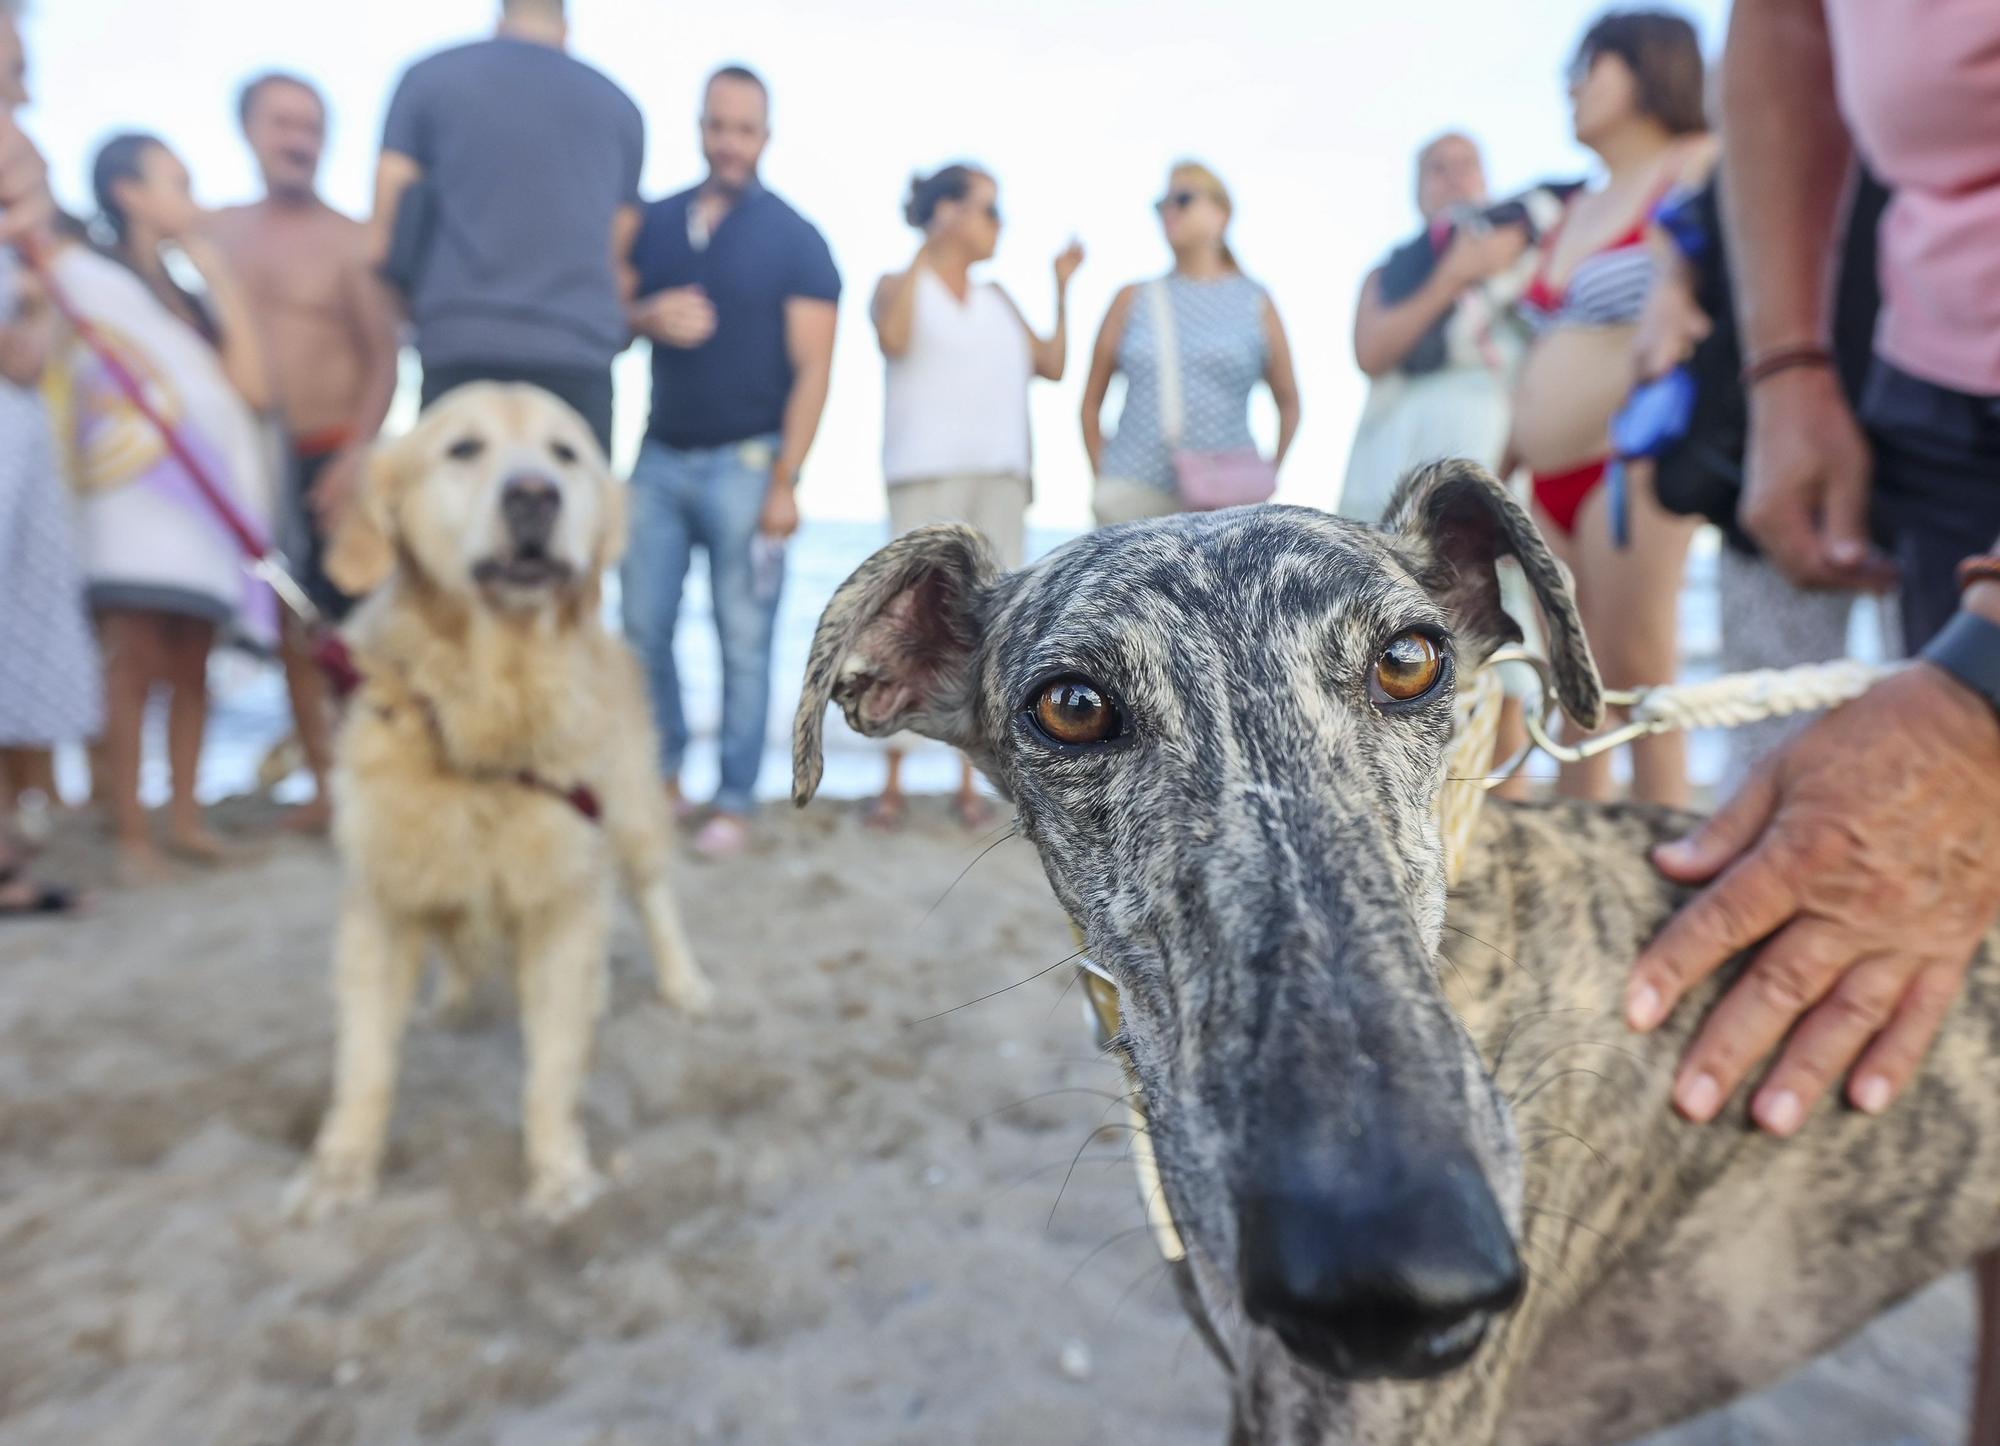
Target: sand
column 832, row 1220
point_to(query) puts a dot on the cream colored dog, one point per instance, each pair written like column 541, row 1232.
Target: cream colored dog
column 495, row 762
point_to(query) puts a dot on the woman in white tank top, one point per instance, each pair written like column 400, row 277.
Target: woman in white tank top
column 955, row 401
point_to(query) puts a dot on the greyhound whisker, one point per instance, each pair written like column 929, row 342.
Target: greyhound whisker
column 1514, row 1025
column 997, row 992
column 1633, row 1054
column 1120, row 1238
column 1520, row 1102
column 1013, row 831
column 1546, row 1134
column 1496, row 949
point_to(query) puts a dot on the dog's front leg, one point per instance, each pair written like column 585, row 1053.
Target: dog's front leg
column 641, row 836
column 375, row 967
column 561, row 988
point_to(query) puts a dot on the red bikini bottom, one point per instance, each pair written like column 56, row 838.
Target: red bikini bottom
column 1561, row 494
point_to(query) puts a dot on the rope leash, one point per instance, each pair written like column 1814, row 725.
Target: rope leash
column 1728, row 702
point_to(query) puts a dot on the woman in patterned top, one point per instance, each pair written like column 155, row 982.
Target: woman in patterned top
column 1227, row 338
column 1636, row 96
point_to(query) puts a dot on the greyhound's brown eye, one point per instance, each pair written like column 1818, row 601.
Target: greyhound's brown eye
column 465, row 449
column 562, row 452
column 1407, row 669
column 1074, row 712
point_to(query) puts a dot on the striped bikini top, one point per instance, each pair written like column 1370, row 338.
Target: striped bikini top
column 1607, row 288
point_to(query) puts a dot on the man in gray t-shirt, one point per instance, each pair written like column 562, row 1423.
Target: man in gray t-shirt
column 526, row 163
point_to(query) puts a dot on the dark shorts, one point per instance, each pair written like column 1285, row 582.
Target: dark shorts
column 308, row 550
column 588, row 389
column 1937, row 487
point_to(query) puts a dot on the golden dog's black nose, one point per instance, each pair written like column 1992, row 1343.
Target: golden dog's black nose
column 529, row 503
column 1392, row 1271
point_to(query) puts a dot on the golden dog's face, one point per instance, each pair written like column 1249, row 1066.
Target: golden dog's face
column 499, row 494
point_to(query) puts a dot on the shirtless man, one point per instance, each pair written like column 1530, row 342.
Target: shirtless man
column 330, row 332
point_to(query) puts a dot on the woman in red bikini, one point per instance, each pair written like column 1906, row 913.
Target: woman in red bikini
column 1636, row 96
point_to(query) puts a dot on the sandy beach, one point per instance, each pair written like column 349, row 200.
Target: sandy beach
column 832, row 1220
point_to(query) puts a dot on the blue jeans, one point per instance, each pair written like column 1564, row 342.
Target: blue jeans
column 707, row 497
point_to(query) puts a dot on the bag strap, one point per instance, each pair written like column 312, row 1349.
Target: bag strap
column 1170, row 361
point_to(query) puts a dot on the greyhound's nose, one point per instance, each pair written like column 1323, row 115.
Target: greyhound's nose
column 529, row 503
column 1392, row 1272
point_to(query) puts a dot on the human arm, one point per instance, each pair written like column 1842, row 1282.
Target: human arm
column 395, row 173
column 1385, row 333
column 27, row 209
column 1280, row 378
column 1807, row 468
column 28, row 339
column 1859, row 865
column 238, row 339
column 371, row 320
column 1103, row 364
column 624, row 231
column 809, row 324
column 1051, row 353
column 893, row 308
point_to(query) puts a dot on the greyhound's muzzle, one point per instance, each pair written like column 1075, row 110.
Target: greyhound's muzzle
column 1370, row 1267
column 530, row 506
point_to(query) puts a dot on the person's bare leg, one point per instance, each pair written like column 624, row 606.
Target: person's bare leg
column 972, row 809
column 312, row 718
column 132, row 659
column 886, row 809
column 189, row 641
column 1631, row 616
column 1986, row 1364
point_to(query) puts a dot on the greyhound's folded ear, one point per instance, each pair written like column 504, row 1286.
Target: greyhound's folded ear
column 895, row 646
column 1455, row 520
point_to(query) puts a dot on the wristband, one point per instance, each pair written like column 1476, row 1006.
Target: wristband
column 1968, row 648
column 1983, row 568
column 1783, row 359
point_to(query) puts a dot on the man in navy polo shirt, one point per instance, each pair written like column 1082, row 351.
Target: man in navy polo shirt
column 737, row 293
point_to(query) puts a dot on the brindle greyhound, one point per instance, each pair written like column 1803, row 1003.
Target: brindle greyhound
column 1431, row 1190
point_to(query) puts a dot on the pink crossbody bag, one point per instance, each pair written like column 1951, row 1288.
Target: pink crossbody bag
column 1208, row 481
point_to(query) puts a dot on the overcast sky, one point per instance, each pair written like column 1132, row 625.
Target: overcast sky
column 1309, row 111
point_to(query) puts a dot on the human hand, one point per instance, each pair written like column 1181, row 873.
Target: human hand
column 338, row 483
column 1067, row 260
column 681, row 316
column 27, row 209
column 1861, row 856
column 780, row 517
column 1807, row 473
column 1670, row 328
column 1477, row 254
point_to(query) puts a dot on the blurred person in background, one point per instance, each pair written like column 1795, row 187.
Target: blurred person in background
column 1689, row 326
column 331, row 334
column 959, row 357
column 164, row 572
column 50, row 686
column 738, row 294
column 506, row 200
column 1226, row 338
column 1636, row 93
column 1440, row 355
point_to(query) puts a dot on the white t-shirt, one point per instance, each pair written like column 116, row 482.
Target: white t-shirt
column 956, row 401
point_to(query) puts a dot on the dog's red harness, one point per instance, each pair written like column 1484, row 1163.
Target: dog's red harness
column 336, row 660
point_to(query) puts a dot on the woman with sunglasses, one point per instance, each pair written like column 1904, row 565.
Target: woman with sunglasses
column 1635, row 91
column 1225, row 338
column 959, row 358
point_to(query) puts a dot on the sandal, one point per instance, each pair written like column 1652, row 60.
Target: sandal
column 38, row 901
